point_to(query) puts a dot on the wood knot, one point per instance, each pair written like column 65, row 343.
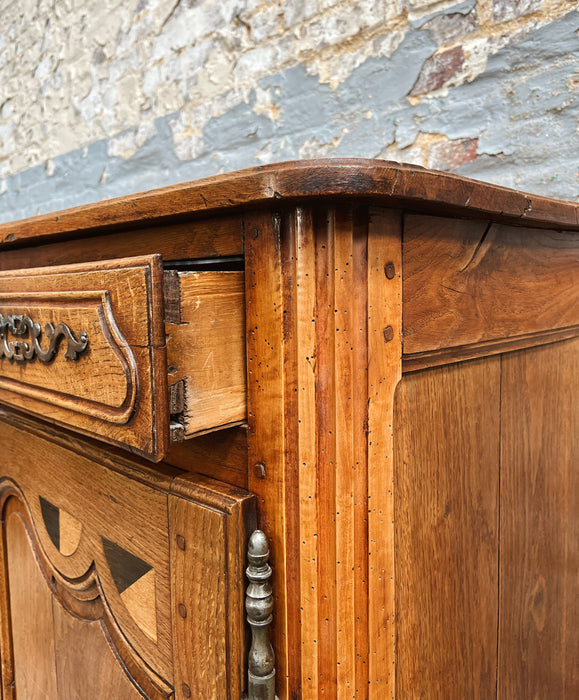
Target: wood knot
column 538, row 603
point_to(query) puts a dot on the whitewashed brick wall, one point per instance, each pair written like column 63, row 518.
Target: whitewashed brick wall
column 99, row 98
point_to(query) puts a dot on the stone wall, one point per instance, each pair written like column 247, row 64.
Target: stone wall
column 100, row 98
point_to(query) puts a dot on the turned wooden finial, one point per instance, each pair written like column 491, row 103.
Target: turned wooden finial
column 259, row 607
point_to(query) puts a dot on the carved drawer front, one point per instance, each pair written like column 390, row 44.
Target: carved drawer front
column 85, row 346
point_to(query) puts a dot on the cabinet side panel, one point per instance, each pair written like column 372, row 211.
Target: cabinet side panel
column 446, row 543
column 469, row 282
column 539, row 609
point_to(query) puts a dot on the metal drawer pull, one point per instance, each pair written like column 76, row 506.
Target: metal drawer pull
column 27, row 350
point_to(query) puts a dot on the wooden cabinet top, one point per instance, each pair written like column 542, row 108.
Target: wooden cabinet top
column 388, row 183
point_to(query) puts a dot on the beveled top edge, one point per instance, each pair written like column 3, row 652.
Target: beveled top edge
column 383, row 181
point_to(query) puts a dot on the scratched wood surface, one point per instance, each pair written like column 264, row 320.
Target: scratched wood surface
column 447, row 423
column 115, row 389
column 205, row 313
column 539, row 606
column 469, row 282
column 322, row 345
column 216, row 237
column 386, row 182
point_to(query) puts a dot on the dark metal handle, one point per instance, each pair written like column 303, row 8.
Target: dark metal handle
column 29, row 332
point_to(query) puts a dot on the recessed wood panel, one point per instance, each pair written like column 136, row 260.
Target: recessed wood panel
column 82, row 644
column 470, row 282
column 114, row 512
column 31, row 617
column 65, row 644
column 539, row 605
column 447, row 531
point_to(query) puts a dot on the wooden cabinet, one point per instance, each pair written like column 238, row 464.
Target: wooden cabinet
column 375, row 364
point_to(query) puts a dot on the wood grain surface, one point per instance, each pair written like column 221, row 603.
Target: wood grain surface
column 76, row 629
column 468, row 282
column 209, row 530
column 221, row 455
column 460, row 353
column 32, row 622
column 385, row 182
column 384, row 373
column 447, row 431
column 206, row 348
column 117, row 388
column 322, row 345
column 85, row 645
column 216, row 237
column 539, row 563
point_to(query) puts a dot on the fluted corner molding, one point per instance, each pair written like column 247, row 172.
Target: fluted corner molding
column 259, row 607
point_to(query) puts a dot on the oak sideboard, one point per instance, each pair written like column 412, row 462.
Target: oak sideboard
column 370, row 366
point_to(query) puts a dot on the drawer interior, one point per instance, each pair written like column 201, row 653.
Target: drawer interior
column 205, row 328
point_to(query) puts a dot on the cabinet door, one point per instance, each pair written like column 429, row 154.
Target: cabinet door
column 65, row 640
column 120, row 580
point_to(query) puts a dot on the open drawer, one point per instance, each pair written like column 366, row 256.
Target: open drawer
column 123, row 351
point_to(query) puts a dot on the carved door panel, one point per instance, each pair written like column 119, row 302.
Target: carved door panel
column 65, row 643
column 56, row 654
column 118, row 580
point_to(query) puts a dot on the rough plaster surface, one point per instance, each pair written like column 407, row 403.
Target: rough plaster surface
column 99, row 99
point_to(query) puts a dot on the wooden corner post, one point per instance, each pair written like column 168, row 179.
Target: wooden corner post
column 323, row 291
